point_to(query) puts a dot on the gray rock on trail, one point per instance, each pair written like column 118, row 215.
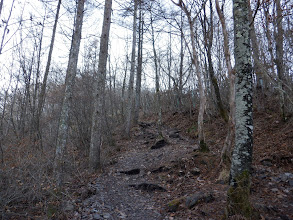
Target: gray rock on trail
column 131, row 172
column 195, row 171
column 286, row 177
column 159, row 144
column 267, row 162
column 96, row 216
column 197, row 198
column 106, row 216
column 68, row 206
column 190, row 201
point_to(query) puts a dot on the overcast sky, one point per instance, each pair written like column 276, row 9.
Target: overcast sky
column 25, row 23
column 29, row 16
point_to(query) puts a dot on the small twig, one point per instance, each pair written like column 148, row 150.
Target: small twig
column 253, row 17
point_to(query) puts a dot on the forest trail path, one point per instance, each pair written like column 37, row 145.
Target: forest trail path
column 183, row 171
column 113, row 196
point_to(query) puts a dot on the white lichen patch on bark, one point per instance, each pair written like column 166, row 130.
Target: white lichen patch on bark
column 242, row 154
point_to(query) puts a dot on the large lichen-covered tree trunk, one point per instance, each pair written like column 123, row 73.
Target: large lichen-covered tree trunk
column 63, row 127
column 238, row 193
column 99, row 92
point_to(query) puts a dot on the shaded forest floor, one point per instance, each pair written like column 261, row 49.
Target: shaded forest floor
column 164, row 176
column 175, row 181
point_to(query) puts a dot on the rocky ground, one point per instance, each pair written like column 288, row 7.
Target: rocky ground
column 163, row 176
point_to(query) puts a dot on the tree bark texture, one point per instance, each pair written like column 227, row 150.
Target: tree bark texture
column 179, row 85
column 35, row 120
column 139, row 67
column 202, row 97
column 209, row 35
column 257, row 63
column 63, row 127
column 131, row 78
column 1, row 6
column 99, row 92
column 280, row 57
column 238, row 193
column 157, row 80
column 195, row 61
column 6, row 25
column 229, row 141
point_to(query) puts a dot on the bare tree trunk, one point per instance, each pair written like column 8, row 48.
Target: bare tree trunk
column 139, row 67
column 170, row 61
column 239, row 190
column 195, row 61
column 99, row 92
column 115, row 101
column 63, row 127
column 1, row 6
column 2, row 126
column 229, row 141
column 26, row 101
column 123, row 116
column 44, row 84
column 129, row 116
column 6, row 25
column 209, row 34
column 110, row 88
column 179, row 83
column 257, row 65
column 158, row 96
column 280, row 58
column 34, row 128
column 269, row 38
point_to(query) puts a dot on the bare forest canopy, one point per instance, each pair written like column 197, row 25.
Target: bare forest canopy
column 78, row 78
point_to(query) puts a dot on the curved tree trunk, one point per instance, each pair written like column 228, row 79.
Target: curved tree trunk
column 202, row 101
column 195, row 61
column 229, row 141
column 63, row 127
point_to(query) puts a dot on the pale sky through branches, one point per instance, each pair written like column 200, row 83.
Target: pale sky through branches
column 28, row 17
column 25, row 26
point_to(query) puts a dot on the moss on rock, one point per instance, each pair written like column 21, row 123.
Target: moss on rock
column 174, row 204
